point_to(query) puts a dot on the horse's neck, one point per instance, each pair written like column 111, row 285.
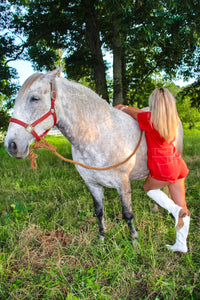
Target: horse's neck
column 80, row 113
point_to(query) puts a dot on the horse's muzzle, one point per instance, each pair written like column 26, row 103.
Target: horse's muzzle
column 12, row 149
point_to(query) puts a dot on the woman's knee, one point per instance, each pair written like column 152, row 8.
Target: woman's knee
column 146, row 188
column 147, row 184
column 154, row 184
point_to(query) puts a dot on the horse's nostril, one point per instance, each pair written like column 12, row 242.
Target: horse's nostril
column 13, row 147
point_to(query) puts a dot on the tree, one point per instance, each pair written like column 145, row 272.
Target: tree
column 188, row 114
column 146, row 38
column 7, row 89
column 8, row 86
column 163, row 41
column 193, row 92
column 62, row 25
column 92, row 34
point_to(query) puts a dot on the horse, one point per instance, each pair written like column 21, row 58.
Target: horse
column 100, row 135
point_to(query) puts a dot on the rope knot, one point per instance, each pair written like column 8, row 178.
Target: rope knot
column 32, row 156
column 38, row 145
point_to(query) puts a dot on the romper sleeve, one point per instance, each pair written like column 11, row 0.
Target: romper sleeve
column 144, row 120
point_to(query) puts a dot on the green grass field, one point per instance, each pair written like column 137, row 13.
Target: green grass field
column 48, row 235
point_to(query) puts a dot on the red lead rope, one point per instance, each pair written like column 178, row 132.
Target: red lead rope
column 31, row 127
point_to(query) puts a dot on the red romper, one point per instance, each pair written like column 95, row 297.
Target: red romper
column 164, row 161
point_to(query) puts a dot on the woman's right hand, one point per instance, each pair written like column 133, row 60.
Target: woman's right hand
column 119, row 106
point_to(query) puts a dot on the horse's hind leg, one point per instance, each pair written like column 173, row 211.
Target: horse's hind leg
column 125, row 195
column 97, row 195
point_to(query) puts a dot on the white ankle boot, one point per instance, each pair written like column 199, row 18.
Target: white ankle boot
column 164, row 201
column 181, row 237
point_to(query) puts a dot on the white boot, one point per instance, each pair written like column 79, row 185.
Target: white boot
column 164, row 201
column 181, row 237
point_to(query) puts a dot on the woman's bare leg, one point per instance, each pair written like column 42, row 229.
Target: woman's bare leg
column 152, row 188
column 154, row 184
column 177, row 192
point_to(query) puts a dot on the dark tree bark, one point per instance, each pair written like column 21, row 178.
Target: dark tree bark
column 124, row 77
column 93, row 39
column 117, row 64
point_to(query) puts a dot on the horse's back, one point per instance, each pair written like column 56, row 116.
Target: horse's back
column 117, row 138
column 139, row 166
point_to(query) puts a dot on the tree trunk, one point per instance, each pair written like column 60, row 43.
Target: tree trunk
column 93, row 39
column 124, row 77
column 117, row 65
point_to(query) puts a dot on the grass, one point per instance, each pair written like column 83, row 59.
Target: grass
column 48, row 236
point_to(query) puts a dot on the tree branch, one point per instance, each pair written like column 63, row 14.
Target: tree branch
column 143, row 80
column 18, row 54
column 27, row 44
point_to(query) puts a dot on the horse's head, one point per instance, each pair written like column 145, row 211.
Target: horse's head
column 33, row 113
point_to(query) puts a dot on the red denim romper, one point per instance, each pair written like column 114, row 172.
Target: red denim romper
column 164, row 161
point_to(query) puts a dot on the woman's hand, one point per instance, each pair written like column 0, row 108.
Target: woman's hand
column 132, row 111
column 119, row 106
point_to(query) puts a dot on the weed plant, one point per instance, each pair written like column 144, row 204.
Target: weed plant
column 48, row 235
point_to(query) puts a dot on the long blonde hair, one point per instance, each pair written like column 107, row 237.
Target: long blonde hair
column 164, row 116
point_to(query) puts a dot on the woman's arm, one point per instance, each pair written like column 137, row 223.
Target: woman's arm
column 132, row 111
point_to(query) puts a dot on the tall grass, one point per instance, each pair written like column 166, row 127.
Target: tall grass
column 48, row 236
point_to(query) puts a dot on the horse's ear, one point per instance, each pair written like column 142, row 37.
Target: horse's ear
column 52, row 75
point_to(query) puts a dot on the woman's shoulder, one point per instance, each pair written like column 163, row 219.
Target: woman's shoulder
column 144, row 115
column 144, row 120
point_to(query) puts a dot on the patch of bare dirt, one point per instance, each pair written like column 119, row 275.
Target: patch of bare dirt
column 36, row 248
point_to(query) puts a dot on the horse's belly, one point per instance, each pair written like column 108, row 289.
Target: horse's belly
column 140, row 169
column 135, row 169
column 139, row 173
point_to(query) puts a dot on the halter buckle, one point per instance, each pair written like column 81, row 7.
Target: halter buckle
column 53, row 95
column 30, row 128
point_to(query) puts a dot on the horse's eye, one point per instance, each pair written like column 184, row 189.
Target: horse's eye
column 35, row 98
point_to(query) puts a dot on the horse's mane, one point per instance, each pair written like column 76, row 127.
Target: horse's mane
column 85, row 94
column 29, row 81
column 83, row 89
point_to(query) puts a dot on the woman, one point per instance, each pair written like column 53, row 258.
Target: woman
column 167, row 168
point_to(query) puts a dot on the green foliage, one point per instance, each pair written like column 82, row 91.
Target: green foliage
column 4, row 120
column 193, row 92
column 139, row 95
column 146, row 37
column 7, row 49
column 7, row 75
column 48, row 236
column 187, row 113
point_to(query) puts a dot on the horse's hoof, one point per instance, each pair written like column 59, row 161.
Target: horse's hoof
column 134, row 243
column 101, row 238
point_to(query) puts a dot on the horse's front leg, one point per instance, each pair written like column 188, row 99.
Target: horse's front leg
column 125, row 194
column 97, row 195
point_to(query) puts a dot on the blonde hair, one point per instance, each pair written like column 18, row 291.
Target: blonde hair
column 164, row 116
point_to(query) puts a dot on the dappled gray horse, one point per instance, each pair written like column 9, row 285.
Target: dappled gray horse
column 100, row 135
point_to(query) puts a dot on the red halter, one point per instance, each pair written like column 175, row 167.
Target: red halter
column 31, row 127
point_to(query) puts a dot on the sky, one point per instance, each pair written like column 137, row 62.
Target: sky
column 25, row 70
